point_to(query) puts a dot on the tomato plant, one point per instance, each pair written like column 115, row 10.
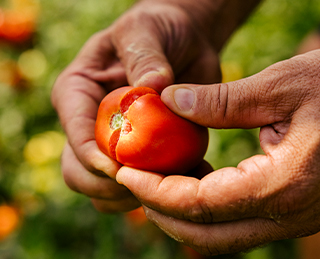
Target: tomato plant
column 135, row 128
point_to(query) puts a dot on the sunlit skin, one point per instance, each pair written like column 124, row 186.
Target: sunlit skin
column 266, row 197
column 81, row 87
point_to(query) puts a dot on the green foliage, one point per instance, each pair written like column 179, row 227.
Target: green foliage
column 57, row 223
column 272, row 34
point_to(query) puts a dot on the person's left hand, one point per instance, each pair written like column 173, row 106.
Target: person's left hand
column 153, row 44
column 266, row 197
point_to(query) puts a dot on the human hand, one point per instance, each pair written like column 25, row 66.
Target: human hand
column 76, row 97
column 266, row 197
column 153, row 44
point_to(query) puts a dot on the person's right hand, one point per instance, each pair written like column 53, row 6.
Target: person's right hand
column 267, row 197
column 154, row 44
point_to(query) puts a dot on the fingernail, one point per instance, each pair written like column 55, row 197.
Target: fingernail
column 157, row 80
column 144, row 80
column 184, row 98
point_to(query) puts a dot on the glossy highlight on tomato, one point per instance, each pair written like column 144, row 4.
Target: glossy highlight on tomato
column 135, row 128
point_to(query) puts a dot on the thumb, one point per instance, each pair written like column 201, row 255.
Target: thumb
column 247, row 103
column 148, row 67
column 140, row 45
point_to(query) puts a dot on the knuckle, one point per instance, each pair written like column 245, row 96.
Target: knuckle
column 200, row 210
column 140, row 56
column 201, row 213
column 212, row 104
column 221, row 105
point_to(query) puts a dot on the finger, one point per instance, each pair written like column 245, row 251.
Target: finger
column 223, row 237
column 97, row 62
column 275, row 185
column 259, row 187
column 76, row 97
column 262, row 99
column 140, row 43
column 77, row 112
column 79, row 179
column 223, row 195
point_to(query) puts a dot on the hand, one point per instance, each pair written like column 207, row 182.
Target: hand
column 267, row 197
column 76, row 97
column 152, row 45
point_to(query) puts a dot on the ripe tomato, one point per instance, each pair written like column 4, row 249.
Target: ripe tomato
column 9, row 220
column 135, row 128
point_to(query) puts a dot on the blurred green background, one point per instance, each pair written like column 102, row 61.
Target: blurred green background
column 47, row 219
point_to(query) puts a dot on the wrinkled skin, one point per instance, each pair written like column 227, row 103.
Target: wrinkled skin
column 265, row 198
column 158, row 48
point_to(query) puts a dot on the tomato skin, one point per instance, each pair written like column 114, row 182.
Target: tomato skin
column 158, row 140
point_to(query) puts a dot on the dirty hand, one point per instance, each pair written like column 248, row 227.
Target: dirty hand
column 266, row 197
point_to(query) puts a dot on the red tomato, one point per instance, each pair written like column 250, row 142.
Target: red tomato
column 135, row 128
column 9, row 220
column 16, row 26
